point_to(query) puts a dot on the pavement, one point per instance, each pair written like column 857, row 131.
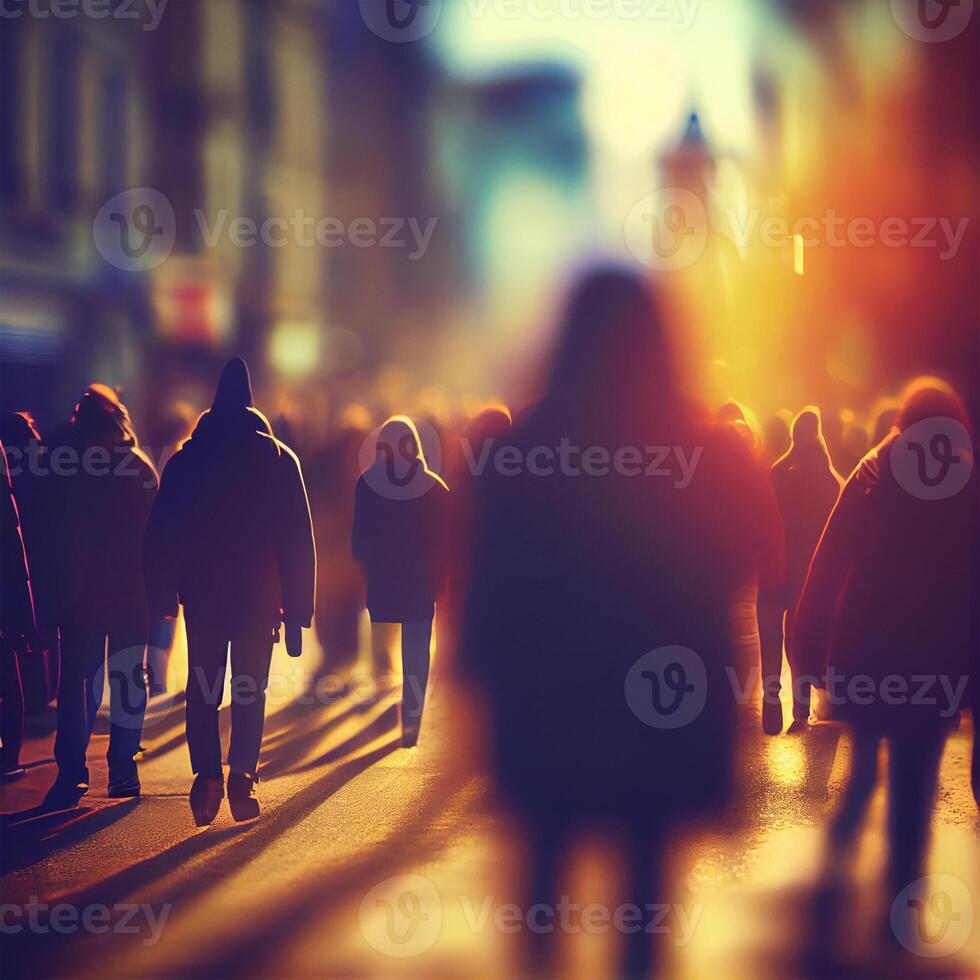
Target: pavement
column 370, row 860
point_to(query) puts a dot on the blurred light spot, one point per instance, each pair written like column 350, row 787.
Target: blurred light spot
column 294, row 347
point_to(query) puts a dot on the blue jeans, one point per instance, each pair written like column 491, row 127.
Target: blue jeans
column 416, row 638
column 84, row 670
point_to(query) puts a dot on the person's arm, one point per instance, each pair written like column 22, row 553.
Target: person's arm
column 161, row 542
column 297, row 553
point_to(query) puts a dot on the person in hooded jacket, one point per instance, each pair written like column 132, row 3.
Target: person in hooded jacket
column 806, row 487
column 891, row 598
column 400, row 512
column 230, row 539
column 101, row 491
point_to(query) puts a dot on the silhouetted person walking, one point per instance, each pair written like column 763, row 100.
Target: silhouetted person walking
column 806, row 487
column 230, row 539
column 18, row 630
column 100, row 502
column 400, row 510
column 890, row 598
column 598, row 621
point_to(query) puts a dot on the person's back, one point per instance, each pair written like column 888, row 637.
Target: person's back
column 806, row 487
column 100, row 503
column 231, row 532
column 230, row 538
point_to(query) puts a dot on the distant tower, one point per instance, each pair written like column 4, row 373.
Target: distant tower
column 691, row 164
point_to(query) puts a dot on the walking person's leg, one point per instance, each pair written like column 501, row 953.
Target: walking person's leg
column 11, row 712
column 251, row 657
column 861, row 783
column 801, row 689
column 207, row 657
column 127, row 706
column 771, row 657
column 82, row 658
column 416, row 640
column 913, row 780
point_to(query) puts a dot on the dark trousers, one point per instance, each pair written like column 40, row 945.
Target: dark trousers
column 775, row 629
column 12, row 706
column 84, row 671
column 416, row 639
column 207, row 663
column 913, row 778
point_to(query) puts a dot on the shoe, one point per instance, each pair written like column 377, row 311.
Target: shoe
column 128, row 786
column 11, row 771
column 798, row 725
column 206, row 796
column 241, row 796
column 410, row 737
column 772, row 715
column 63, row 795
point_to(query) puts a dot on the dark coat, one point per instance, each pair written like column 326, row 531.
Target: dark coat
column 806, row 487
column 401, row 547
column 892, row 591
column 16, row 602
column 574, row 579
column 98, row 513
column 230, row 536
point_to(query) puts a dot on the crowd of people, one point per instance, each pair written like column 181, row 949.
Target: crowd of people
column 748, row 541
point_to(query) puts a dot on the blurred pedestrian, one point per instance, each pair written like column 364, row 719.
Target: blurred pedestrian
column 806, row 487
column 400, row 514
column 890, row 599
column 230, row 539
column 101, row 496
column 18, row 629
column 598, row 622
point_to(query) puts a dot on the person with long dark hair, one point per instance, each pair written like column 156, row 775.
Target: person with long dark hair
column 598, row 625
